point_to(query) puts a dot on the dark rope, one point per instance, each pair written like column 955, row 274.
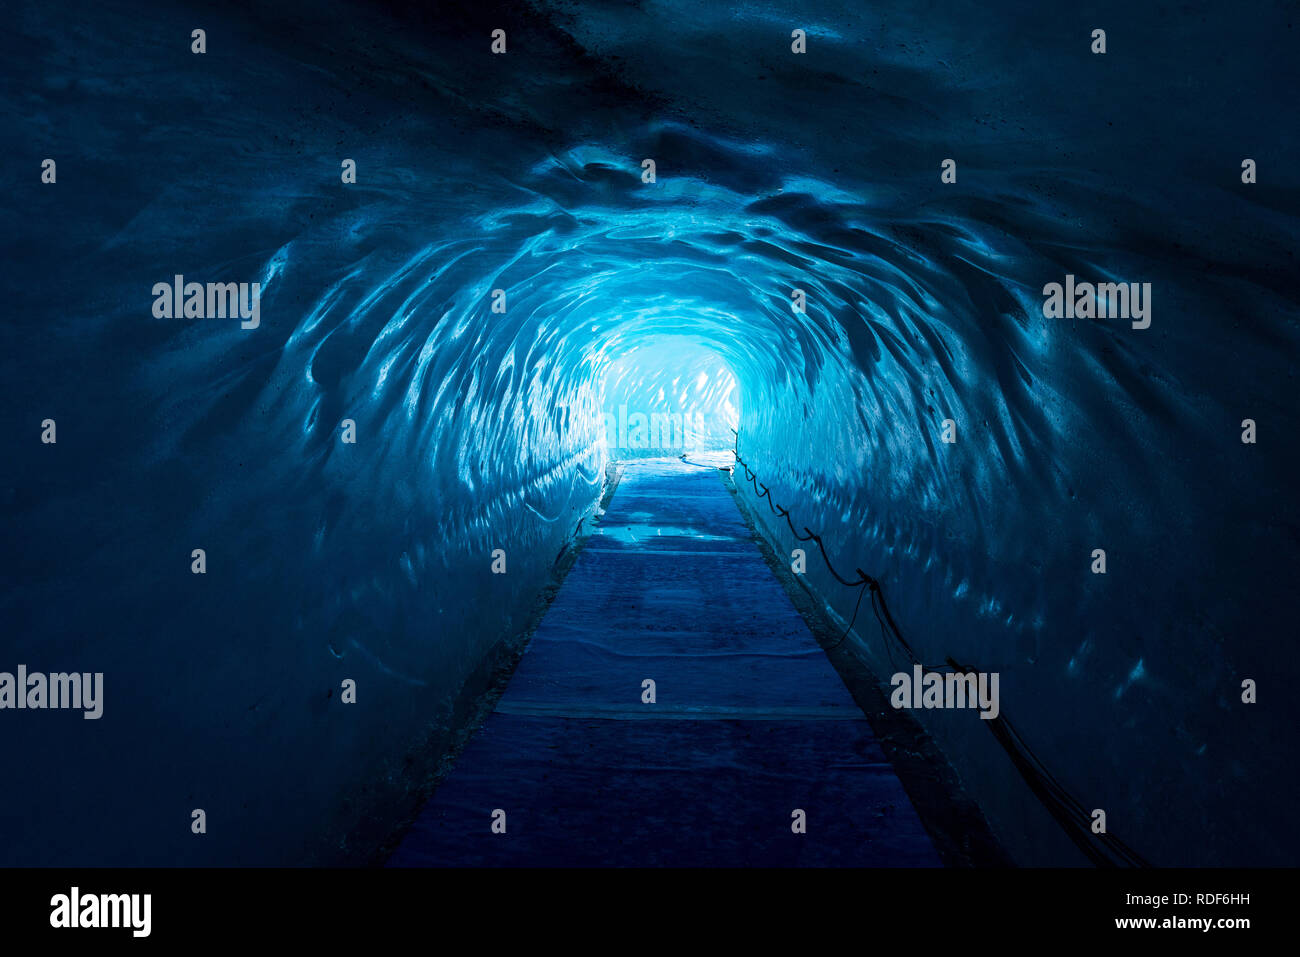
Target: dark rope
column 862, row 588
column 1104, row 850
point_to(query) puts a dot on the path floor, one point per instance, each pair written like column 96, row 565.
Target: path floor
column 750, row 722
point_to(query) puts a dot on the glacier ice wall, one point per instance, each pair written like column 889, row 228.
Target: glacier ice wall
column 479, row 430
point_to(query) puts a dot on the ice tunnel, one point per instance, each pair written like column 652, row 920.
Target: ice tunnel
column 302, row 542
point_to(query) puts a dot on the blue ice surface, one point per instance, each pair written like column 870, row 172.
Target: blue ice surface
column 480, row 431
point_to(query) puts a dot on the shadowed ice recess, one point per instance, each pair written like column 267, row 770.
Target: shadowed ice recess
column 478, row 430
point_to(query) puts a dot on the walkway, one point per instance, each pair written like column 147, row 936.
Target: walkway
column 750, row 720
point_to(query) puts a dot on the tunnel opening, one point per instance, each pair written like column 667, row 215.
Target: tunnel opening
column 668, row 395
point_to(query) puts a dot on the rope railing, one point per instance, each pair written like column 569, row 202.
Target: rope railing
column 1105, row 849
